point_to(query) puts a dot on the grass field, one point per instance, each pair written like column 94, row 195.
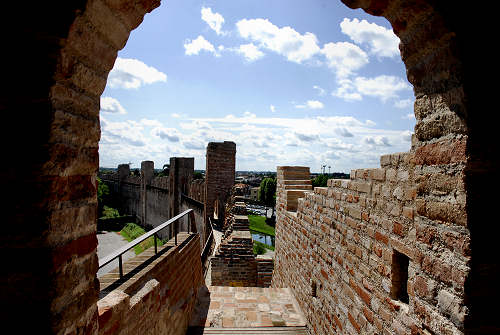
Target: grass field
column 258, row 224
column 131, row 231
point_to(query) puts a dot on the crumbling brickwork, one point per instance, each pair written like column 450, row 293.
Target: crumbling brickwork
column 343, row 242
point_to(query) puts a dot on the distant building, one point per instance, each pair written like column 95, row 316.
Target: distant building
column 254, row 193
column 242, row 189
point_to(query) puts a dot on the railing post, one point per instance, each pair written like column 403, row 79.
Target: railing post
column 120, row 266
column 156, row 245
column 192, row 220
column 175, row 231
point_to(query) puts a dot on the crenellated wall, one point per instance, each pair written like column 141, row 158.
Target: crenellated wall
column 360, row 261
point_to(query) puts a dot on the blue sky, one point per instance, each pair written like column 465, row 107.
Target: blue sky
column 291, row 82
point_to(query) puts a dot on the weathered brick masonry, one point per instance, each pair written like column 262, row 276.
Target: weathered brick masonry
column 67, row 48
column 234, row 263
column 338, row 252
column 219, row 176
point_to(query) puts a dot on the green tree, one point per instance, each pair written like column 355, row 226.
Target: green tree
column 267, row 191
column 320, row 180
column 102, row 194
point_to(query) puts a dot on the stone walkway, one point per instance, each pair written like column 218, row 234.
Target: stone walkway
column 229, row 307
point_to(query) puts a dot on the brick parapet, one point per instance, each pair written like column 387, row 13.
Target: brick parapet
column 159, row 299
column 342, row 238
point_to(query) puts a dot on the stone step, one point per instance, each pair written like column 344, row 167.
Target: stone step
column 297, row 182
column 298, row 187
column 250, row 330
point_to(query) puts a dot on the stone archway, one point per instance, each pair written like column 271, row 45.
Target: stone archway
column 59, row 57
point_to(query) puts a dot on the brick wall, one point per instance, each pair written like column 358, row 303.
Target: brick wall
column 159, row 299
column 234, row 263
column 265, row 267
column 342, row 250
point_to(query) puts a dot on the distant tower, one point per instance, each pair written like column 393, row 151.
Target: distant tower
column 219, row 177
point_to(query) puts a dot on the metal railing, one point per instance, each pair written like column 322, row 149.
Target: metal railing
column 206, row 249
column 153, row 232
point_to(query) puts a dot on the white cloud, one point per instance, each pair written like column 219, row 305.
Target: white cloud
column 377, row 141
column 311, row 104
column 382, row 87
column 405, row 103
column 171, row 134
column 127, row 132
column 214, row 20
column 407, row 135
column 150, row 123
column 306, row 137
column 132, row 73
column 347, row 90
column 250, row 52
column 194, row 144
column 382, row 41
column 321, row 91
column 249, row 115
column 194, row 47
column 272, row 108
column 111, row 105
column 344, row 132
column 285, row 41
column 344, row 58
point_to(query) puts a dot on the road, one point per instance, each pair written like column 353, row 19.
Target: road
column 107, row 243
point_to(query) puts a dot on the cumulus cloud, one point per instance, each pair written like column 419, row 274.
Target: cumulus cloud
column 344, row 58
column 127, row 132
column 382, row 87
column 170, row 134
column 150, row 123
column 194, row 144
column 344, row 132
column 347, row 90
column 407, row 135
column 249, row 51
column 194, row 47
column 214, row 20
column 311, row 104
column 381, row 41
column 306, row 137
column 130, row 73
column 285, row 41
column 111, row 105
column 377, row 141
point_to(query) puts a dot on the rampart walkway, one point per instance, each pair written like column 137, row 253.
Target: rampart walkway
column 253, row 310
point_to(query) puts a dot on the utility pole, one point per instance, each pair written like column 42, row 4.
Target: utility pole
column 329, row 169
